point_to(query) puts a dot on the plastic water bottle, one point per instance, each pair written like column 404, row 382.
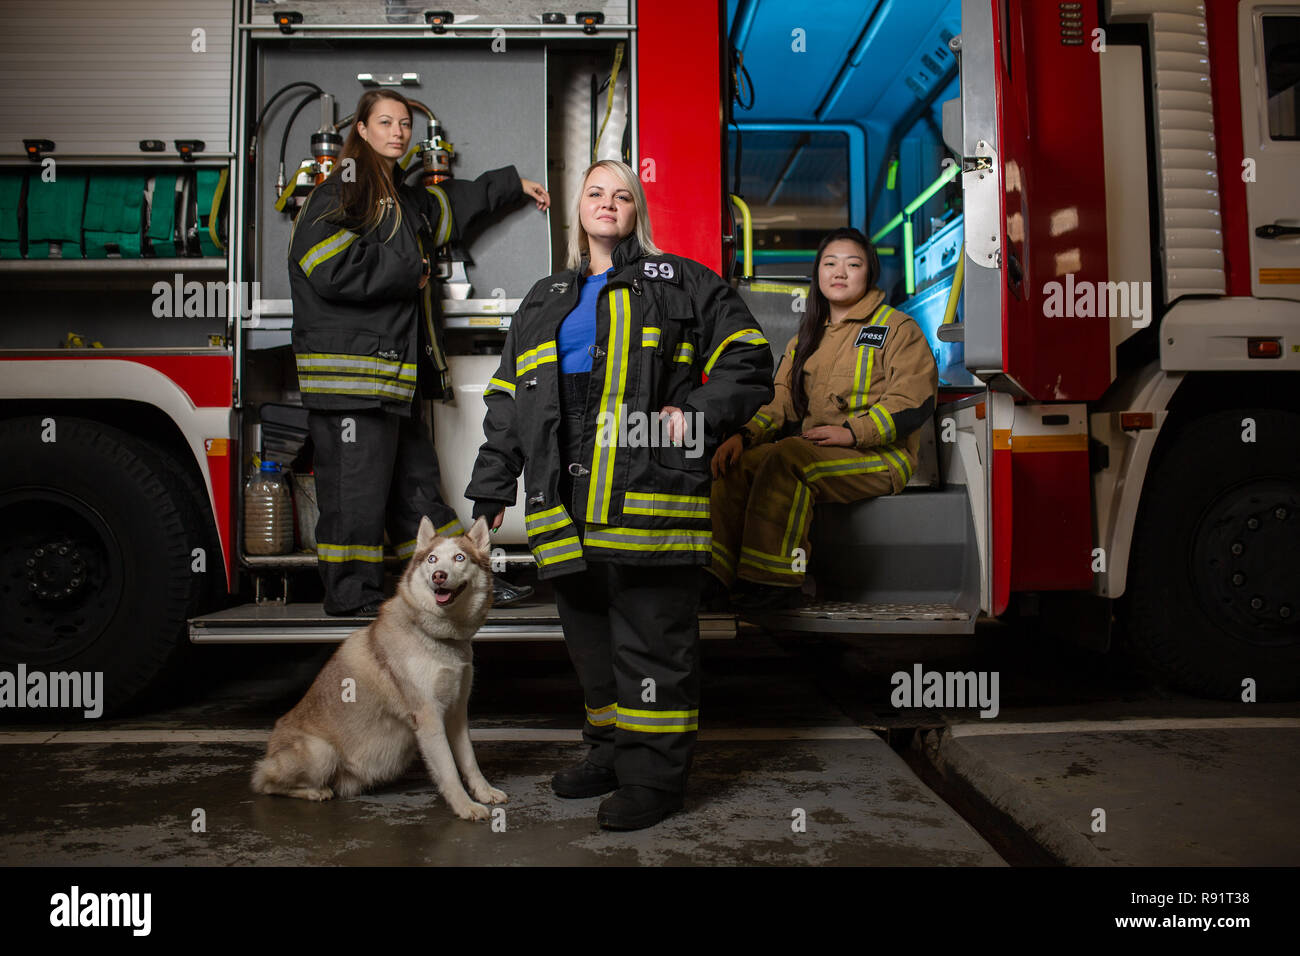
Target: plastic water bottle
column 268, row 512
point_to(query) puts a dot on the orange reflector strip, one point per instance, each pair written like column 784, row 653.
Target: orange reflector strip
column 979, row 410
column 1263, row 348
column 1279, row 276
column 1137, row 421
column 217, row 447
column 1002, row 439
column 1023, row 443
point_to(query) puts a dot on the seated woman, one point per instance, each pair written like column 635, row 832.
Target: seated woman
column 853, row 387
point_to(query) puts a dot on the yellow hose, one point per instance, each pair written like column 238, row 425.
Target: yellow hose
column 950, row 313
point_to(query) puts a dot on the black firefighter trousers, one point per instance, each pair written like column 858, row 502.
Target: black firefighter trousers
column 373, row 468
column 633, row 635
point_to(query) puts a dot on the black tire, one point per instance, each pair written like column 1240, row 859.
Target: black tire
column 104, row 526
column 1213, row 594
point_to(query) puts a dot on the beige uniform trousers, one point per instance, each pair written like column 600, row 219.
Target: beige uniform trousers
column 762, row 506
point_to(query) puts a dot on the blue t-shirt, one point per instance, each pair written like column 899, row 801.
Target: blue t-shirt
column 578, row 330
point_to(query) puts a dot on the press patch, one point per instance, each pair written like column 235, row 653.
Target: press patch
column 873, row 335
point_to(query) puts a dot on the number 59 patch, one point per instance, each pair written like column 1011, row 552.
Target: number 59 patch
column 659, row 270
column 873, row 335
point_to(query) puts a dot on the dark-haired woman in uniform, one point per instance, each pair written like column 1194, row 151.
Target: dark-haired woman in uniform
column 366, row 338
column 852, row 388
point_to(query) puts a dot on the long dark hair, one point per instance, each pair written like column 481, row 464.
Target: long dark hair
column 359, row 204
column 818, row 309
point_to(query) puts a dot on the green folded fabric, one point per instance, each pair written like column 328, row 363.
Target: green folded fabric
column 54, row 212
column 209, row 185
column 114, row 214
column 162, row 215
column 11, row 194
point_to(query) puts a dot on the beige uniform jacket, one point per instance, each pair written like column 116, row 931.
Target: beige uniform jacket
column 872, row 372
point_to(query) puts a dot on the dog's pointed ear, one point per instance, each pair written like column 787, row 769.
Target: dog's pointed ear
column 479, row 534
column 426, row 535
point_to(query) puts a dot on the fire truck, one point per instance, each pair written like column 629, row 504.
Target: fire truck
column 1085, row 205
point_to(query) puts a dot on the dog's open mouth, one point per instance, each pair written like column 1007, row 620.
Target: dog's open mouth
column 445, row 596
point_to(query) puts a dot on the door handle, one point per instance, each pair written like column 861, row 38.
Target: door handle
column 1277, row 231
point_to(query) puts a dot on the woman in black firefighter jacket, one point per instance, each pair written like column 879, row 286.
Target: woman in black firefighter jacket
column 366, row 335
column 618, row 378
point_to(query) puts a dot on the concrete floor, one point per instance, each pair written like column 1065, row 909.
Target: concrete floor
column 132, row 804
column 787, row 724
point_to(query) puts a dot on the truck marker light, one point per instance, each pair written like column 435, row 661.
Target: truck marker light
column 1136, row 421
column 1264, row 348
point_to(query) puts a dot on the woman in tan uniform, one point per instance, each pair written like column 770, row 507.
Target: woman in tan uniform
column 853, row 387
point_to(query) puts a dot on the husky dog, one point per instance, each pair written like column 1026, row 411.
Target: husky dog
column 398, row 685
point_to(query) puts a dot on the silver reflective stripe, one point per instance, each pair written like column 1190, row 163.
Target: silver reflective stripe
column 602, row 459
column 323, row 250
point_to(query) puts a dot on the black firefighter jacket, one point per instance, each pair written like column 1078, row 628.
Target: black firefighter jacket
column 669, row 331
column 364, row 334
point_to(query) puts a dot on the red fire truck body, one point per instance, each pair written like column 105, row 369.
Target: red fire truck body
column 1133, row 153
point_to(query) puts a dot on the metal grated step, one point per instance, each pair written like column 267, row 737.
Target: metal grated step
column 846, row 617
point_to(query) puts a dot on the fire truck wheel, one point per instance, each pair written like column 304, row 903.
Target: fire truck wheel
column 1213, row 597
column 96, row 540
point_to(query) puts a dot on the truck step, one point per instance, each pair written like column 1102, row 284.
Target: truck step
column 308, row 623
column 845, row 617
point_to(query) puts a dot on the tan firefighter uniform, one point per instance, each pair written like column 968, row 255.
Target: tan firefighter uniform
column 873, row 372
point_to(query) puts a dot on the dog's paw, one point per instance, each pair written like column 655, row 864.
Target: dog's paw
column 473, row 811
column 487, row 793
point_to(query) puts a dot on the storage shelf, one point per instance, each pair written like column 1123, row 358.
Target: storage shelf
column 193, row 264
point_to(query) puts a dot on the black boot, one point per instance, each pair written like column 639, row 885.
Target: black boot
column 584, row 780
column 770, row 597
column 505, row 594
column 713, row 594
column 635, row 807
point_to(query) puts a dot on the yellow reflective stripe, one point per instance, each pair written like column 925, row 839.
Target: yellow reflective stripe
column 326, row 248
column 685, row 353
column 639, row 539
column 499, row 385
column 884, row 422
column 656, row 713
column 611, row 402
column 542, row 529
column 722, row 556
column 452, row 527
column 679, row 506
column 899, row 461
column 814, row 471
column 444, row 220
column 649, row 336
column 539, row 355
column 750, row 336
column 602, row 716
column 338, row 553
column 794, row 524
column 530, row 520
column 555, row 552
column 763, row 421
column 862, row 384
column 405, row 161
column 310, row 362
column 657, row 728
column 657, row 721
column 405, row 549
column 765, row 561
column 355, row 386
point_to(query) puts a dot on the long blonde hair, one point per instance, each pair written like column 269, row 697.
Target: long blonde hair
column 578, row 246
